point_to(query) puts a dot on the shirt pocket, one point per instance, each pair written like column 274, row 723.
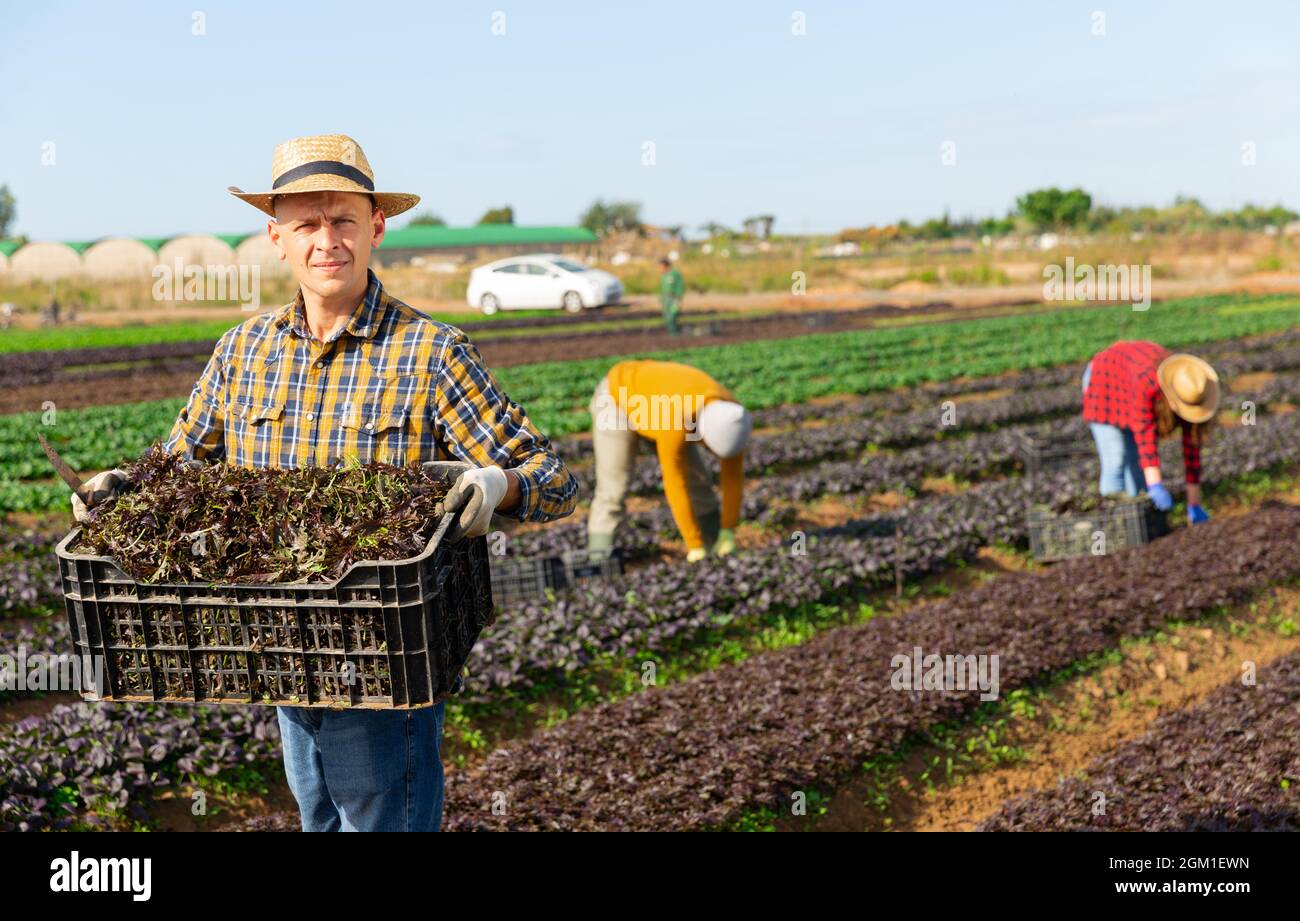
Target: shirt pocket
column 373, row 433
column 255, row 432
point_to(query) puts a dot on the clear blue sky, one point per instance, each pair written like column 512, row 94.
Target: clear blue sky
column 842, row 126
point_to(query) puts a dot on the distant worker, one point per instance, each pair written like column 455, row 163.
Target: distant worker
column 671, row 289
column 685, row 412
column 1135, row 392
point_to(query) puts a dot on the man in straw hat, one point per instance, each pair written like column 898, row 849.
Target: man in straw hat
column 1136, row 392
column 347, row 370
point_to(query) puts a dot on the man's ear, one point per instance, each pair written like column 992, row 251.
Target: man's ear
column 378, row 224
column 273, row 231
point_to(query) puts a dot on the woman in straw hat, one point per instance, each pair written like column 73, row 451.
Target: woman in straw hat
column 348, row 370
column 1136, row 392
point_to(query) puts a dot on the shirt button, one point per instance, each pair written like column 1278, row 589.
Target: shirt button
column 320, row 364
column 310, row 416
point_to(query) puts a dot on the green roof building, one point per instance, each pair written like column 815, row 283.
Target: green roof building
column 484, row 241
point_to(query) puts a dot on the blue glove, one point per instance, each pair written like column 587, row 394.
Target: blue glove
column 1197, row 515
column 1160, row 496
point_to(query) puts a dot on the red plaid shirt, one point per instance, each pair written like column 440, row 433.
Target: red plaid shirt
column 1122, row 392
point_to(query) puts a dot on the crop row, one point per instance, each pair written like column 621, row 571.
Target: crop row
column 700, row 753
column 83, row 762
column 664, row 602
column 1231, row 763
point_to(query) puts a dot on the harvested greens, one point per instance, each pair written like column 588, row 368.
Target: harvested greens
column 182, row 521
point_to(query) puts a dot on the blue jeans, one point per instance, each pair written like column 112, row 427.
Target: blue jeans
column 1120, row 469
column 364, row 770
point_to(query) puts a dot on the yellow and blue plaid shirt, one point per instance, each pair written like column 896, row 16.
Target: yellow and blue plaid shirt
column 392, row 385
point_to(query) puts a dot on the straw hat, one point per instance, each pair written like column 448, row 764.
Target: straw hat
column 324, row 163
column 1190, row 385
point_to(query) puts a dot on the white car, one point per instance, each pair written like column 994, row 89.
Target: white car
column 542, row 280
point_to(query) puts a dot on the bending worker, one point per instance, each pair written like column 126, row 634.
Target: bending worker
column 1135, row 392
column 684, row 412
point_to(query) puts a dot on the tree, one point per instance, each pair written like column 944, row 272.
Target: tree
column 713, row 229
column 1052, row 209
column 760, row 225
column 429, row 219
column 503, row 215
column 615, row 217
column 674, row 230
column 8, row 210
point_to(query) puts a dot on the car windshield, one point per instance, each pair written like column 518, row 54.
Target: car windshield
column 568, row 266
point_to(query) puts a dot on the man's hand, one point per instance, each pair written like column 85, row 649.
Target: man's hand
column 475, row 495
column 696, row 554
column 726, row 542
column 102, row 487
column 1160, row 496
column 1197, row 515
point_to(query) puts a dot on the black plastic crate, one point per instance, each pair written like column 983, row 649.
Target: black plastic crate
column 1123, row 523
column 1042, row 453
column 389, row 634
column 583, row 564
column 525, row 578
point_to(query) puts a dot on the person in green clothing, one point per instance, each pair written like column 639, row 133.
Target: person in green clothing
column 671, row 288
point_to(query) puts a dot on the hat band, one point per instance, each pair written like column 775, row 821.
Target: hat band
column 330, row 167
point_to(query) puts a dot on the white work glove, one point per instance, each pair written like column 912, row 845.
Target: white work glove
column 694, row 556
column 475, row 494
column 726, row 542
column 102, row 487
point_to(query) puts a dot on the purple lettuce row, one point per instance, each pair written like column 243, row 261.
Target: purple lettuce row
column 85, row 758
column 1231, row 763
column 701, row 753
column 643, row 611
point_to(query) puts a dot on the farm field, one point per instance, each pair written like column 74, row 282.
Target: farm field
column 893, row 455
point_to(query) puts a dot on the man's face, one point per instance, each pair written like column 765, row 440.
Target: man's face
column 326, row 238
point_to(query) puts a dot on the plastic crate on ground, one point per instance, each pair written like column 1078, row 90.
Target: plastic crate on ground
column 1113, row 526
column 384, row 635
column 525, row 578
column 583, row 564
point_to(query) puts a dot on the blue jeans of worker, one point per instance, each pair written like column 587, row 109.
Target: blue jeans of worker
column 364, row 770
column 1120, row 469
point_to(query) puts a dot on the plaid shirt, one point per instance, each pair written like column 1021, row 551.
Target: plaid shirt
column 1122, row 392
column 392, row 385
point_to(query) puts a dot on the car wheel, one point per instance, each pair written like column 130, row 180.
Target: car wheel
column 489, row 304
column 572, row 302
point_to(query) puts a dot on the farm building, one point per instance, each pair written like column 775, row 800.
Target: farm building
column 199, row 249
column 7, row 249
column 123, row 257
column 45, row 261
column 257, row 249
column 119, row 258
column 481, row 243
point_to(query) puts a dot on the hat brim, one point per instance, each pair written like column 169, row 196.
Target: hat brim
column 391, row 203
column 1189, row 412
